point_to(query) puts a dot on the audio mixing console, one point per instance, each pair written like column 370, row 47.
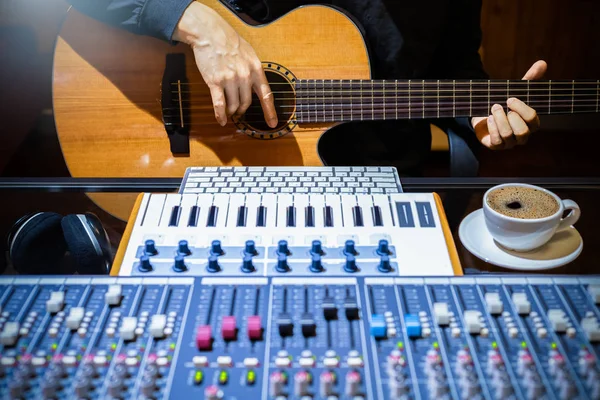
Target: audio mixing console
column 286, row 337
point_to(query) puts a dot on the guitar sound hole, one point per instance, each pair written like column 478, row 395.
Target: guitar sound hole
column 284, row 99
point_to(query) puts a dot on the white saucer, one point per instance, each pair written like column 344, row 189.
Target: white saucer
column 563, row 248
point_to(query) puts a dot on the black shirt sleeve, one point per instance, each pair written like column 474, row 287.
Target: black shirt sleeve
column 156, row 18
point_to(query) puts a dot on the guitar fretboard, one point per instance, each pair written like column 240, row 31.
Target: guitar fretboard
column 362, row 100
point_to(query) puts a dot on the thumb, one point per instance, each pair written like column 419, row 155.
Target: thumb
column 537, row 71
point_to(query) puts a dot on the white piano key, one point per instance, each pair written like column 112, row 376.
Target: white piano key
column 154, row 210
column 187, row 202
column 236, row 200
column 204, row 202
column 270, row 203
column 172, row 200
column 221, row 200
column 383, row 202
column 335, row 201
column 283, row 202
column 252, row 204
column 301, row 202
column 318, row 202
column 348, row 203
column 366, row 203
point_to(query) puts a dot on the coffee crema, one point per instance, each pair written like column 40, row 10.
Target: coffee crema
column 522, row 202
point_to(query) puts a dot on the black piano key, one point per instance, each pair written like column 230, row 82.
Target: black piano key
column 174, row 220
column 261, row 216
column 328, row 216
column 291, row 216
column 241, row 217
column 212, row 216
column 357, row 215
column 193, row 218
column 377, row 219
column 310, row 216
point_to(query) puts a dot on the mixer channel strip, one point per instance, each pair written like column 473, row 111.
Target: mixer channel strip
column 291, row 338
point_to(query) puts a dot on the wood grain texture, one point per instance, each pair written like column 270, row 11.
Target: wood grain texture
column 106, row 94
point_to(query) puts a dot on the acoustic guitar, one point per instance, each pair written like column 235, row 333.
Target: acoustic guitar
column 133, row 106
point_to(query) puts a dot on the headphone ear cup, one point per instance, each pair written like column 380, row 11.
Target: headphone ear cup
column 37, row 245
column 85, row 245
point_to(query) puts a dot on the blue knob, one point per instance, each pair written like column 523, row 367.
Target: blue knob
column 350, row 265
column 413, row 325
column 250, row 248
column 183, row 248
column 384, row 264
column 383, row 247
column 215, row 248
column 145, row 265
column 247, row 265
column 213, row 263
column 378, row 327
column 349, row 247
column 282, row 247
column 316, row 265
column 316, row 247
column 282, row 264
column 179, row 265
column 150, row 247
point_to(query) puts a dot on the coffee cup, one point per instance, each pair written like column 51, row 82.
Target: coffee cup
column 523, row 217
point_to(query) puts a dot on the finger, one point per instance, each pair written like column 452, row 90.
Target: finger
column 503, row 126
column 527, row 113
column 519, row 127
column 218, row 99
column 232, row 97
column 245, row 97
column 537, row 70
column 495, row 138
column 263, row 91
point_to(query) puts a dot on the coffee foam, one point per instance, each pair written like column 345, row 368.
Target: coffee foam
column 534, row 203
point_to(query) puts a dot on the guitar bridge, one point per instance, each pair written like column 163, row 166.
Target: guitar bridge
column 174, row 97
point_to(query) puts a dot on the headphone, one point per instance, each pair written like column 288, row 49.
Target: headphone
column 37, row 244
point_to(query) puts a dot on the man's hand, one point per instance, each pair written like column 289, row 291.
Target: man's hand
column 227, row 63
column 502, row 131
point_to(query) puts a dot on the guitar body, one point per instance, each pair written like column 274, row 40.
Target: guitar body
column 107, row 97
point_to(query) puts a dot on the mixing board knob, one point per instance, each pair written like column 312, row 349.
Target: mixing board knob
column 285, row 325
column 49, row 388
column 145, row 265
column 384, row 264
column 469, row 386
column 247, row 265
column 120, row 371
column 349, row 248
column 566, row 389
column 524, row 362
column 215, row 248
column 398, row 386
column 282, row 247
column 317, row 247
column 350, row 265
column 587, row 362
column 82, row 387
column 282, row 264
column 277, row 382
column 89, row 371
column 115, row 386
column 316, row 265
column 535, row 387
column 250, row 248
column 183, row 248
column 213, row 393
column 204, row 337
column 213, row 264
column 326, row 383
column 228, row 328
column 437, row 386
column 113, row 296
column 378, row 326
column 383, row 247
column 413, row 325
column 147, row 386
column 254, row 327
column 150, row 248
column 302, row 381
column 309, row 326
column 556, row 363
column 179, row 265
column 56, row 371
column 353, row 380
column 329, row 308
column 351, row 308
column 16, row 388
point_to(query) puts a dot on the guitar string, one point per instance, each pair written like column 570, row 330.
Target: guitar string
column 390, row 83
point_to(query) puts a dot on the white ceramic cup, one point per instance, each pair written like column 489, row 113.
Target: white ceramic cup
column 528, row 234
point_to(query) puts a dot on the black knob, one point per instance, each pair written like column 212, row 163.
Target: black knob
column 384, row 264
column 350, row 265
column 183, row 248
column 150, row 248
column 282, row 264
column 250, row 248
column 317, row 247
column 285, row 325
column 179, row 265
column 329, row 308
column 309, row 326
column 383, row 247
column 215, row 248
column 315, row 264
column 247, row 265
column 282, row 247
column 349, row 248
column 145, row 265
column 213, row 264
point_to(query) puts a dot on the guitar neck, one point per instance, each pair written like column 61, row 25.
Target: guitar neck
column 364, row 100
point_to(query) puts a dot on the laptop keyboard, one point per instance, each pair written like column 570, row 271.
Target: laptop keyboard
column 333, row 180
